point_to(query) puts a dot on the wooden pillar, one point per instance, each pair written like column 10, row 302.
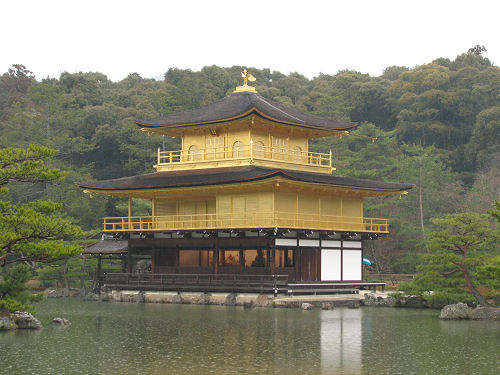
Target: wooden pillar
column 153, row 213
column 273, row 256
column 298, row 268
column 129, row 261
column 124, row 263
column 153, row 258
column 99, row 271
column 129, row 212
column 216, row 257
column 242, row 260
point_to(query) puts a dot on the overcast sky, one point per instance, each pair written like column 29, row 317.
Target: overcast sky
column 148, row 37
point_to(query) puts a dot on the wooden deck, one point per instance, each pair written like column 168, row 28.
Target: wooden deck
column 236, row 283
column 233, row 283
column 332, row 287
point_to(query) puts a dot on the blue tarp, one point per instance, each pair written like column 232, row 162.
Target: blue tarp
column 367, row 262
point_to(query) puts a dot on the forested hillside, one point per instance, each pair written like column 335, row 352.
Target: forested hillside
column 436, row 125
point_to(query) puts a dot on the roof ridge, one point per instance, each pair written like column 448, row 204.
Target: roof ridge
column 279, row 109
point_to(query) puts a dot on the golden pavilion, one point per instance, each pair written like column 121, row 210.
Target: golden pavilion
column 243, row 198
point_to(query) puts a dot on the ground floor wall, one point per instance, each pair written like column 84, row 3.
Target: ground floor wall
column 301, row 259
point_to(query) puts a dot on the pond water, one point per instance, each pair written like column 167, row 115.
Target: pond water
column 126, row 338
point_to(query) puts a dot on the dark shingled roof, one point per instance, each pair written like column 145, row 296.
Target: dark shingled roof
column 203, row 177
column 239, row 105
column 113, row 246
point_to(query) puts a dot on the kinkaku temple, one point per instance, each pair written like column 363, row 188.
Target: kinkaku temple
column 242, row 206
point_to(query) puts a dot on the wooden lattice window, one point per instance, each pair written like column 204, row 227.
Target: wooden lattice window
column 193, row 153
column 237, row 149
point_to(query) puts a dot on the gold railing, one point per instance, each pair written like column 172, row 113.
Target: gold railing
column 252, row 152
column 243, row 221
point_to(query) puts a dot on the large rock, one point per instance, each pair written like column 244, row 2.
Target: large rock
column 415, row 302
column 263, row 301
column 306, row 306
column 139, row 297
column 485, row 313
column 370, row 300
column 26, row 321
column 456, row 311
column 177, row 299
column 327, row 306
column 231, row 300
column 7, row 323
column 204, row 299
column 61, row 322
column 392, row 302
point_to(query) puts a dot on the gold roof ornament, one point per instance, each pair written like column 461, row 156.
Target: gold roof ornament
column 247, row 76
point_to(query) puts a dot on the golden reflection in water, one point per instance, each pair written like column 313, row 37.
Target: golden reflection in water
column 341, row 341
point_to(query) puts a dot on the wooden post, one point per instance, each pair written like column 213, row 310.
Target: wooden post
column 251, row 150
column 153, row 213
column 129, row 213
column 216, row 258
column 273, row 258
column 99, row 270
column 129, row 261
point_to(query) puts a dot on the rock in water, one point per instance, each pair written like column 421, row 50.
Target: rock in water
column 204, row 299
column 327, row 306
column 26, row 321
column 456, row 311
column 263, row 301
column 485, row 313
column 370, row 300
column 231, row 299
column 61, row 322
column 6, row 323
column 139, row 297
column 306, row 306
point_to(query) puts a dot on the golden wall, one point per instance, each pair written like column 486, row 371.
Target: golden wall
column 312, row 203
column 283, row 138
column 266, row 201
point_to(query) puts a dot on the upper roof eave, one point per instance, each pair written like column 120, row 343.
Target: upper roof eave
column 239, row 105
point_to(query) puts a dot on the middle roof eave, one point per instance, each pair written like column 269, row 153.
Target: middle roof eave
column 239, row 105
column 205, row 177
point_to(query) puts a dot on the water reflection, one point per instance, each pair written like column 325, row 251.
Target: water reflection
column 114, row 338
column 341, row 341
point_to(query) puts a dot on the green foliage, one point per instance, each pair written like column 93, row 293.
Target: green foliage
column 495, row 211
column 27, row 165
column 32, row 231
column 463, row 256
column 66, row 273
column 11, row 305
column 14, row 294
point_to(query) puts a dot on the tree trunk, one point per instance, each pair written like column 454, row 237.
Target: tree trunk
column 479, row 297
column 420, row 202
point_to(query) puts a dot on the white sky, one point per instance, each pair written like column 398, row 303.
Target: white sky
column 148, row 37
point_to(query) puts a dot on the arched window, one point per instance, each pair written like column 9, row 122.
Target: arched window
column 193, row 154
column 237, row 149
column 297, row 154
column 258, row 149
